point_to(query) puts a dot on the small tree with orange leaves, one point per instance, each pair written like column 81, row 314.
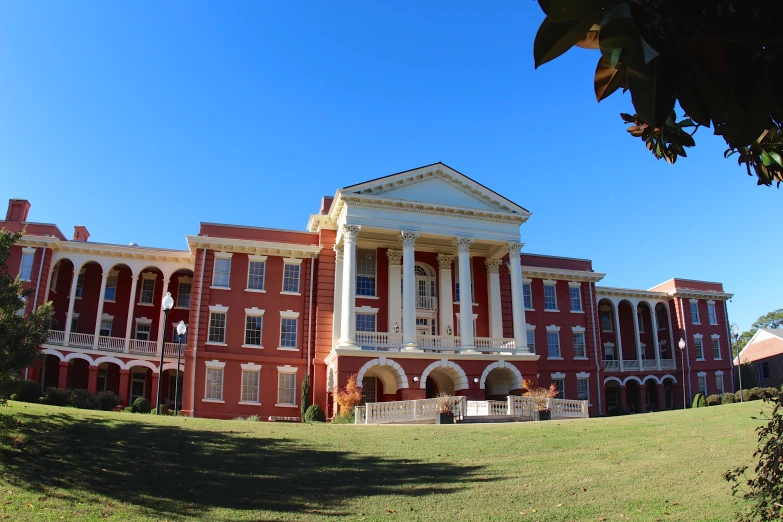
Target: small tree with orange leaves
column 349, row 397
column 540, row 396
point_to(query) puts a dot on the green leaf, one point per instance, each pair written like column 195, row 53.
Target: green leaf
column 776, row 158
column 766, row 159
column 618, row 30
column 607, row 79
column 653, row 88
column 649, row 53
column 555, row 38
column 562, row 10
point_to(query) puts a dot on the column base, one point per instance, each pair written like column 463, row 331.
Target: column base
column 411, row 347
column 467, row 349
column 349, row 345
column 522, row 352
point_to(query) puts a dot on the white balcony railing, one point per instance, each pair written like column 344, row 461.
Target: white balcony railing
column 649, row 364
column 631, row 365
column 170, row 349
column 438, row 343
column 111, row 344
column 56, row 337
column 668, row 364
column 494, row 344
column 385, row 342
column 81, row 339
column 381, row 341
column 611, row 365
column 143, row 347
column 426, row 303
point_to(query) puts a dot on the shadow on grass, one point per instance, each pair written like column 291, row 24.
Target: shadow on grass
column 173, row 471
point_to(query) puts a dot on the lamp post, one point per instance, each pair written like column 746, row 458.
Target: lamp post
column 167, row 305
column 735, row 334
column 181, row 330
column 681, row 344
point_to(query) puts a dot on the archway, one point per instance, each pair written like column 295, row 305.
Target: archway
column 651, row 394
column 669, row 395
column 78, row 374
column 443, row 376
column 613, row 393
column 381, row 379
column 50, row 371
column 633, row 395
column 499, row 384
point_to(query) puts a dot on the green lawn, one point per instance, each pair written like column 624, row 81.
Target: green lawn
column 63, row 463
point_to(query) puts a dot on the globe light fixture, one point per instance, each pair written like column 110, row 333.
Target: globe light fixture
column 681, row 344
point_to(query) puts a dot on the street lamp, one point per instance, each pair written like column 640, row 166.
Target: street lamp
column 735, row 334
column 681, row 344
column 181, row 330
column 396, row 328
column 167, row 305
column 449, row 331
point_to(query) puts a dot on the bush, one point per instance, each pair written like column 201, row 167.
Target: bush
column 343, row 419
column 727, row 398
column 27, row 391
column 14, row 397
column 128, row 409
column 742, row 395
column 756, row 394
column 56, row 397
column 714, row 400
column 141, row 405
column 314, row 414
column 771, row 393
column 106, row 401
column 251, row 418
column 82, row 399
column 699, row 401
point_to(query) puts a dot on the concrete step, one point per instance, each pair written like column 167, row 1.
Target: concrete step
column 485, row 419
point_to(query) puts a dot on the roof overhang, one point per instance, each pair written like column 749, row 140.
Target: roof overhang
column 248, row 246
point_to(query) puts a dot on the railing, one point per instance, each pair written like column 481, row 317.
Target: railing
column 568, row 409
column 631, row 365
column 494, row 344
column 111, row 344
column 523, row 407
column 144, row 347
column 385, row 342
column 56, row 337
column 438, row 343
column 81, row 339
column 668, row 364
column 426, row 303
column 649, row 364
column 170, row 349
column 486, row 408
column 381, row 341
column 360, row 415
column 611, row 365
column 405, row 411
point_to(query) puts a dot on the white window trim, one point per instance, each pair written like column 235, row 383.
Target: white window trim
column 221, row 310
column 581, row 330
column 147, row 275
column 255, row 259
column 286, row 369
column 288, row 314
column 112, row 273
column 366, row 310
column 575, row 284
column 26, row 251
column 218, row 308
column 549, row 282
column 558, row 375
column 251, row 367
column 142, row 320
column 701, row 374
column 217, row 365
column 107, row 317
column 698, row 313
column 552, row 329
column 222, row 255
column 712, row 304
column 375, row 296
column 254, row 312
column 583, row 375
column 526, row 281
column 578, row 329
column 719, row 372
column 183, row 280
column 291, row 261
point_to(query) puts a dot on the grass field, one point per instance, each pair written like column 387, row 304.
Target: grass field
column 63, row 463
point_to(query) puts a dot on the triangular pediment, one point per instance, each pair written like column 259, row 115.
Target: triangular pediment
column 436, row 184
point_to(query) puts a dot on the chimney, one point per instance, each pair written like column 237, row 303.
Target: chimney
column 80, row 233
column 17, row 210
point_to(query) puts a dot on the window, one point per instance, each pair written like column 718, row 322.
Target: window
column 719, row 383
column 606, row 321
column 75, row 323
column 214, row 391
column 365, row 272
column 695, row 312
column 222, row 274
column 183, row 294
column 250, row 384
column 703, row 384
column 138, row 385
column 575, row 293
column 105, row 330
column 765, row 370
column 79, row 284
column 527, row 295
column 579, row 345
column 582, row 389
column 553, row 344
column 255, row 275
column 640, row 320
column 560, row 383
column 712, row 314
column 102, row 377
column 288, row 331
column 53, row 284
column 291, row 278
column 111, row 287
column 217, row 327
column 531, row 341
column 142, row 331
column 550, row 297
column 699, row 347
column 365, row 322
column 609, row 352
column 26, row 270
column 147, row 290
column 253, row 326
column 661, row 321
column 716, row 349
column 369, row 390
column 286, row 389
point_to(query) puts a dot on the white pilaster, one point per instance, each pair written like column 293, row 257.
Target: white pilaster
column 395, row 294
column 445, row 294
column 338, row 295
column 131, row 305
column 465, row 297
column 71, row 302
column 636, row 333
column 162, row 321
column 493, row 285
column 348, row 313
column 409, row 291
column 517, row 296
column 99, row 313
column 617, row 337
column 654, row 319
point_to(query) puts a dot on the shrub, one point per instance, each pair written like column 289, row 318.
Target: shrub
column 251, row 418
column 141, row 405
column 727, row 398
column 540, row 396
column 27, row 391
column 742, row 395
column 770, row 393
column 56, row 397
column 304, row 404
column 344, row 419
column 314, row 414
column 128, row 409
column 14, row 397
column 714, row 400
column 106, row 401
column 82, row 399
column 699, row 401
column 348, row 398
column 756, row 394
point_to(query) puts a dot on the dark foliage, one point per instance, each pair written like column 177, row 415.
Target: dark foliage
column 699, row 401
column 314, row 414
column 714, row 400
column 82, row 399
column 728, row 398
column 107, row 401
column 27, row 391
column 141, row 405
column 56, row 397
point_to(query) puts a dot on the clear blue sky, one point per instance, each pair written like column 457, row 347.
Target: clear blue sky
column 139, row 120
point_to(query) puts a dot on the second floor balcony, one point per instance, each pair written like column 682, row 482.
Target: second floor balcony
column 112, row 344
column 633, row 365
column 393, row 342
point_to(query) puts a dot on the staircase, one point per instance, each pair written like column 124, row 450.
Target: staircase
column 492, row 419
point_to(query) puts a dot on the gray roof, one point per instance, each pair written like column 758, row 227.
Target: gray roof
column 777, row 332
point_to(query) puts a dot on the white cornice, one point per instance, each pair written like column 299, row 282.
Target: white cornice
column 606, row 291
column 539, row 272
column 266, row 248
column 701, row 294
column 126, row 252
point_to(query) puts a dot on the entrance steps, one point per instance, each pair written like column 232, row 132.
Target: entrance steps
column 491, row 419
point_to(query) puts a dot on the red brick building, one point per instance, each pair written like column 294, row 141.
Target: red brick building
column 376, row 286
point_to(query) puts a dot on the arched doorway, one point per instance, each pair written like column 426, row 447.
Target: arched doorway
column 381, row 380
column 633, row 396
column 78, row 374
column 651, row 394
column 613, row 396
column 669, row 385
column 50, row 371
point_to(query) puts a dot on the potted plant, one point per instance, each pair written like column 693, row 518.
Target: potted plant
column 445, row 413
column 541, row 398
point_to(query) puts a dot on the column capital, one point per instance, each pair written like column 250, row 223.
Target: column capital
column 408, row 238
column 493, row 266
column 394, row 257
column 514, row 248
column 445, row 261
column 350, row 232
column 463, row 244
column 338, row 253
column 105, row 275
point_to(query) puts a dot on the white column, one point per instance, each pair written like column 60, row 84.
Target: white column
column 654, row 319
column 671, row 336
column 465, row 297
column 162, row 322
column 99, row 313
column 338, row 295
column 348, row 312
column 409, row 291
column 617, row 337
column 445, row 294
column 493, row 285
column 636, row 333
column 71, row 302
column 517, row 296
column 395, row 295
column 131, row 305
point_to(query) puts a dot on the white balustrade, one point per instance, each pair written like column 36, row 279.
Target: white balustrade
column 81, row 339
column 405, row 411
column 631, row 365
column 438, row 343
column 55, row 337
column 426, row 303
column 170, row 349
column 381, row 341
column 144, row 347
column 650, row 364
column 611, row 366
column 568, row 409
column 668, row 364
column 111, row 344
column 521, row 406
column 359, row 414
column 385, row 341
column 494, row 344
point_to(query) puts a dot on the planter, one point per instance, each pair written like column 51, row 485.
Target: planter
column 444, row 418
column 544, row 415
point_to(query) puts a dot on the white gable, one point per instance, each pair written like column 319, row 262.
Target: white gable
column 437, row 190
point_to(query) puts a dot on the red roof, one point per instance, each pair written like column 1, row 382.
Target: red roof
column 762, row 349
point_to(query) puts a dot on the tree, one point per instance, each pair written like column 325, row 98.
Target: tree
column 721, row 61
column 305, row 402
column 21, row 336
column 349, row 397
